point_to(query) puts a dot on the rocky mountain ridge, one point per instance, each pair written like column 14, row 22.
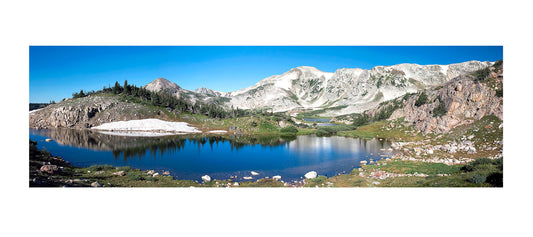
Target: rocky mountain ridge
column 463, row 100
column 350, row 90
column 345, row 91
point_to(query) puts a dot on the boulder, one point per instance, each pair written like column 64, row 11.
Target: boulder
column 206, row 178
column 247, row 177
column 48, row 140
column 166, row 173
column 254, row 173
column 155, row 175
column 310, row 175
column 120, row 173
column 49, row 169
column 95, row 184
column 236, row 184
column 276, row 177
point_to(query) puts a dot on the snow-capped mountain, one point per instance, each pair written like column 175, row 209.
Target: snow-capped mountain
column 344, row 91
column 349, row 90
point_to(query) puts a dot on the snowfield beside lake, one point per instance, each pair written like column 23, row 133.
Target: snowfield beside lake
column 148, row 125
column 139, row 134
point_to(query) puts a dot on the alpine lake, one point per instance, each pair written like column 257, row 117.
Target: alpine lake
column 219, row 156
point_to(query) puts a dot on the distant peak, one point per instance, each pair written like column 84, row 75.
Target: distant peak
column 161, row 79
column 161, row 83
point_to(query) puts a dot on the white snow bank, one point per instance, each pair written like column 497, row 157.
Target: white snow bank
column 150, row 125
column 35, row 110
column 218, row 131
column 138, row 134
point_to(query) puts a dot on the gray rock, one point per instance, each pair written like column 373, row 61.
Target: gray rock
column 95, row 184
column 120, row 173
column 51, row 169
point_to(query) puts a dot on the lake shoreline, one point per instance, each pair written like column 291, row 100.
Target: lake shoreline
column 47, row 170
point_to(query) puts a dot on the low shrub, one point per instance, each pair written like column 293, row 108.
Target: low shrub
column 495, row 179
column 468, row 168
column 134, row 176
column 482, row 161
column 321, row 132
column 498, row 64
column 440, row 110
column 482, row 74
column 100, row 167
column 479, row 178
column 125, row 168
column 289, row 129
column 422, row 99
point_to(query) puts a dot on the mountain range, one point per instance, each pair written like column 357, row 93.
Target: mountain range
column 345, row 91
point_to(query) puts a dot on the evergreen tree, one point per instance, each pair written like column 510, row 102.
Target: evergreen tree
column 117, row 89
column 127, row 88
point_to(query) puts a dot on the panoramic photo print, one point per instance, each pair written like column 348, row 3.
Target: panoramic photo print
column 266, row 116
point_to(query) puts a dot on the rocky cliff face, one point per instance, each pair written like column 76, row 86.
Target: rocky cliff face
column 465, row 101
column 88, row 112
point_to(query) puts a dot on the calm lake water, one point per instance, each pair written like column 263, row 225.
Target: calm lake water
column 190, row 157
column 320, row 120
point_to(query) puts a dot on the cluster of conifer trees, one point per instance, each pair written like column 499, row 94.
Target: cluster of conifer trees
column 166, row 100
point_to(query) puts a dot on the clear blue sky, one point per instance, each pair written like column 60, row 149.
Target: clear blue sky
column 58, row 71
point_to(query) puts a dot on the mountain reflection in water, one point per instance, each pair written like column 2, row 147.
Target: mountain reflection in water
column 220, row 156
column 131, row 147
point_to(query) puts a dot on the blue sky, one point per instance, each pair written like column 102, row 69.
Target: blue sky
column 58, row 71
